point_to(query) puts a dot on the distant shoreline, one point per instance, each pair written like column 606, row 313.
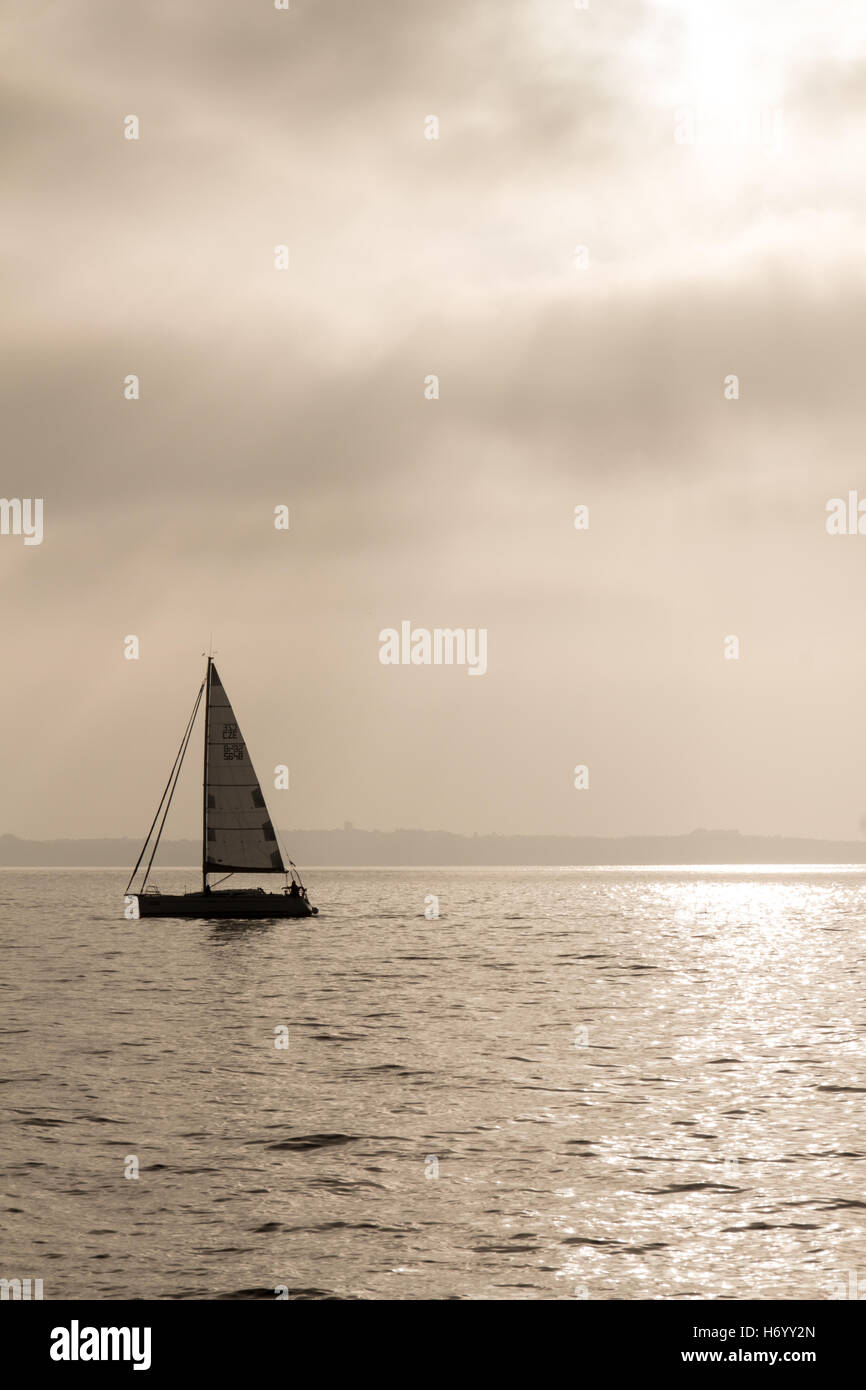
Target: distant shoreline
column 744, row 866
column 351, row 848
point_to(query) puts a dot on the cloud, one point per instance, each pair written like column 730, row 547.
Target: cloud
column 558, row 386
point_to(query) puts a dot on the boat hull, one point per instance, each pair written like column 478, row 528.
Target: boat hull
column 245, row 906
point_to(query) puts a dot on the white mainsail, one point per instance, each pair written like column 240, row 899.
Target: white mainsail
column 238, row 834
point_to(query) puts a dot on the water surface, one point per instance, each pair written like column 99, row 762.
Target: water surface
column 580, row 1083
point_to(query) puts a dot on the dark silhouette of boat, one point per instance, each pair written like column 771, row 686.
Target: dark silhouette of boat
column 238, row 836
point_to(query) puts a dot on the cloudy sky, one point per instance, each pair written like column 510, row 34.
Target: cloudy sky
column 708, row 156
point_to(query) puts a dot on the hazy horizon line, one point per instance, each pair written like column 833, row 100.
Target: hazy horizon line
column 820, row 866
column 352, row 829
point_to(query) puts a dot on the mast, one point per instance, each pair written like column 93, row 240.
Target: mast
column 204, row 777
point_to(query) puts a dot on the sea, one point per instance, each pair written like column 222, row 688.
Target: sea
column 489, row 1084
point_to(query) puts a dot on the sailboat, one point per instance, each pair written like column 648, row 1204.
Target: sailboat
column 238, row 836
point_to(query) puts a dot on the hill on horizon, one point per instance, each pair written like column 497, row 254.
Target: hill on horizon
column 394, row 848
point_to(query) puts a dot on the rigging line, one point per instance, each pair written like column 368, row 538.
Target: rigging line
column 285, row 856
column 169, row 789
column 280, row 846
column 179, row 763
column 183, row 741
